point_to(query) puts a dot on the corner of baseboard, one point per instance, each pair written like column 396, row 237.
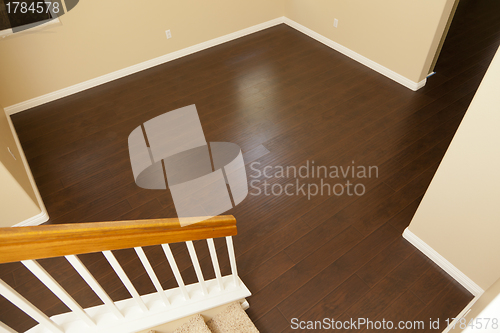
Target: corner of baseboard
column 356, row 56
column 442, row 262
column 462, row 314
column 420, row 84
column 244, row 304
column 35, row 220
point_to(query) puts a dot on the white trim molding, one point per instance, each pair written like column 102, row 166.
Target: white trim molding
column 35, row 220
column 447, row 266
column 356, row 56
column 208, row 44
column 137, row 68
column 462, row 314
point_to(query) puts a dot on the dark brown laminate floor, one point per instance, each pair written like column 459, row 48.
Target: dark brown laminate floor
column 285, row 99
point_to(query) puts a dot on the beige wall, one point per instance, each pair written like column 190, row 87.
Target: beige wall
column 18, row 198
column 100, row 37
column 94, row 39
column 459, row 216
column 400, row 35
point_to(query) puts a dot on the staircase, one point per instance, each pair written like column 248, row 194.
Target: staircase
column 139, row 312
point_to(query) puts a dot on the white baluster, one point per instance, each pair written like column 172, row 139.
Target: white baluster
column 31, row 310
column 215, row 262
column 92, row 282
column 56, row 288
column 152, row 274
column 197, row 268
column 175, row 270
column 232, row 260
column 6, row 329
column 124, row 278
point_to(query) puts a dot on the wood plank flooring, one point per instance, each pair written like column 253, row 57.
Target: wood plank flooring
column 285, row 99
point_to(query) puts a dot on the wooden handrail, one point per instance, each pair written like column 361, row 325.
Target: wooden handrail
column 47, row 241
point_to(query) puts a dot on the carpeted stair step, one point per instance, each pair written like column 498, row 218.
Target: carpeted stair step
column 233, row 319
column 194, row 325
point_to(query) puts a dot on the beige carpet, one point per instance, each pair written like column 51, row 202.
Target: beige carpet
column 194, row 325
column 232, row 320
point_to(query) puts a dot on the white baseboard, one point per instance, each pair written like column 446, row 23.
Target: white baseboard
column 205, row 45
column 462, row 314
column 356, row 56
column 137, row 68
column 33, row 221
column 447, row 266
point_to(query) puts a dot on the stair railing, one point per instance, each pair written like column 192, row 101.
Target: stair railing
column 27, row 244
